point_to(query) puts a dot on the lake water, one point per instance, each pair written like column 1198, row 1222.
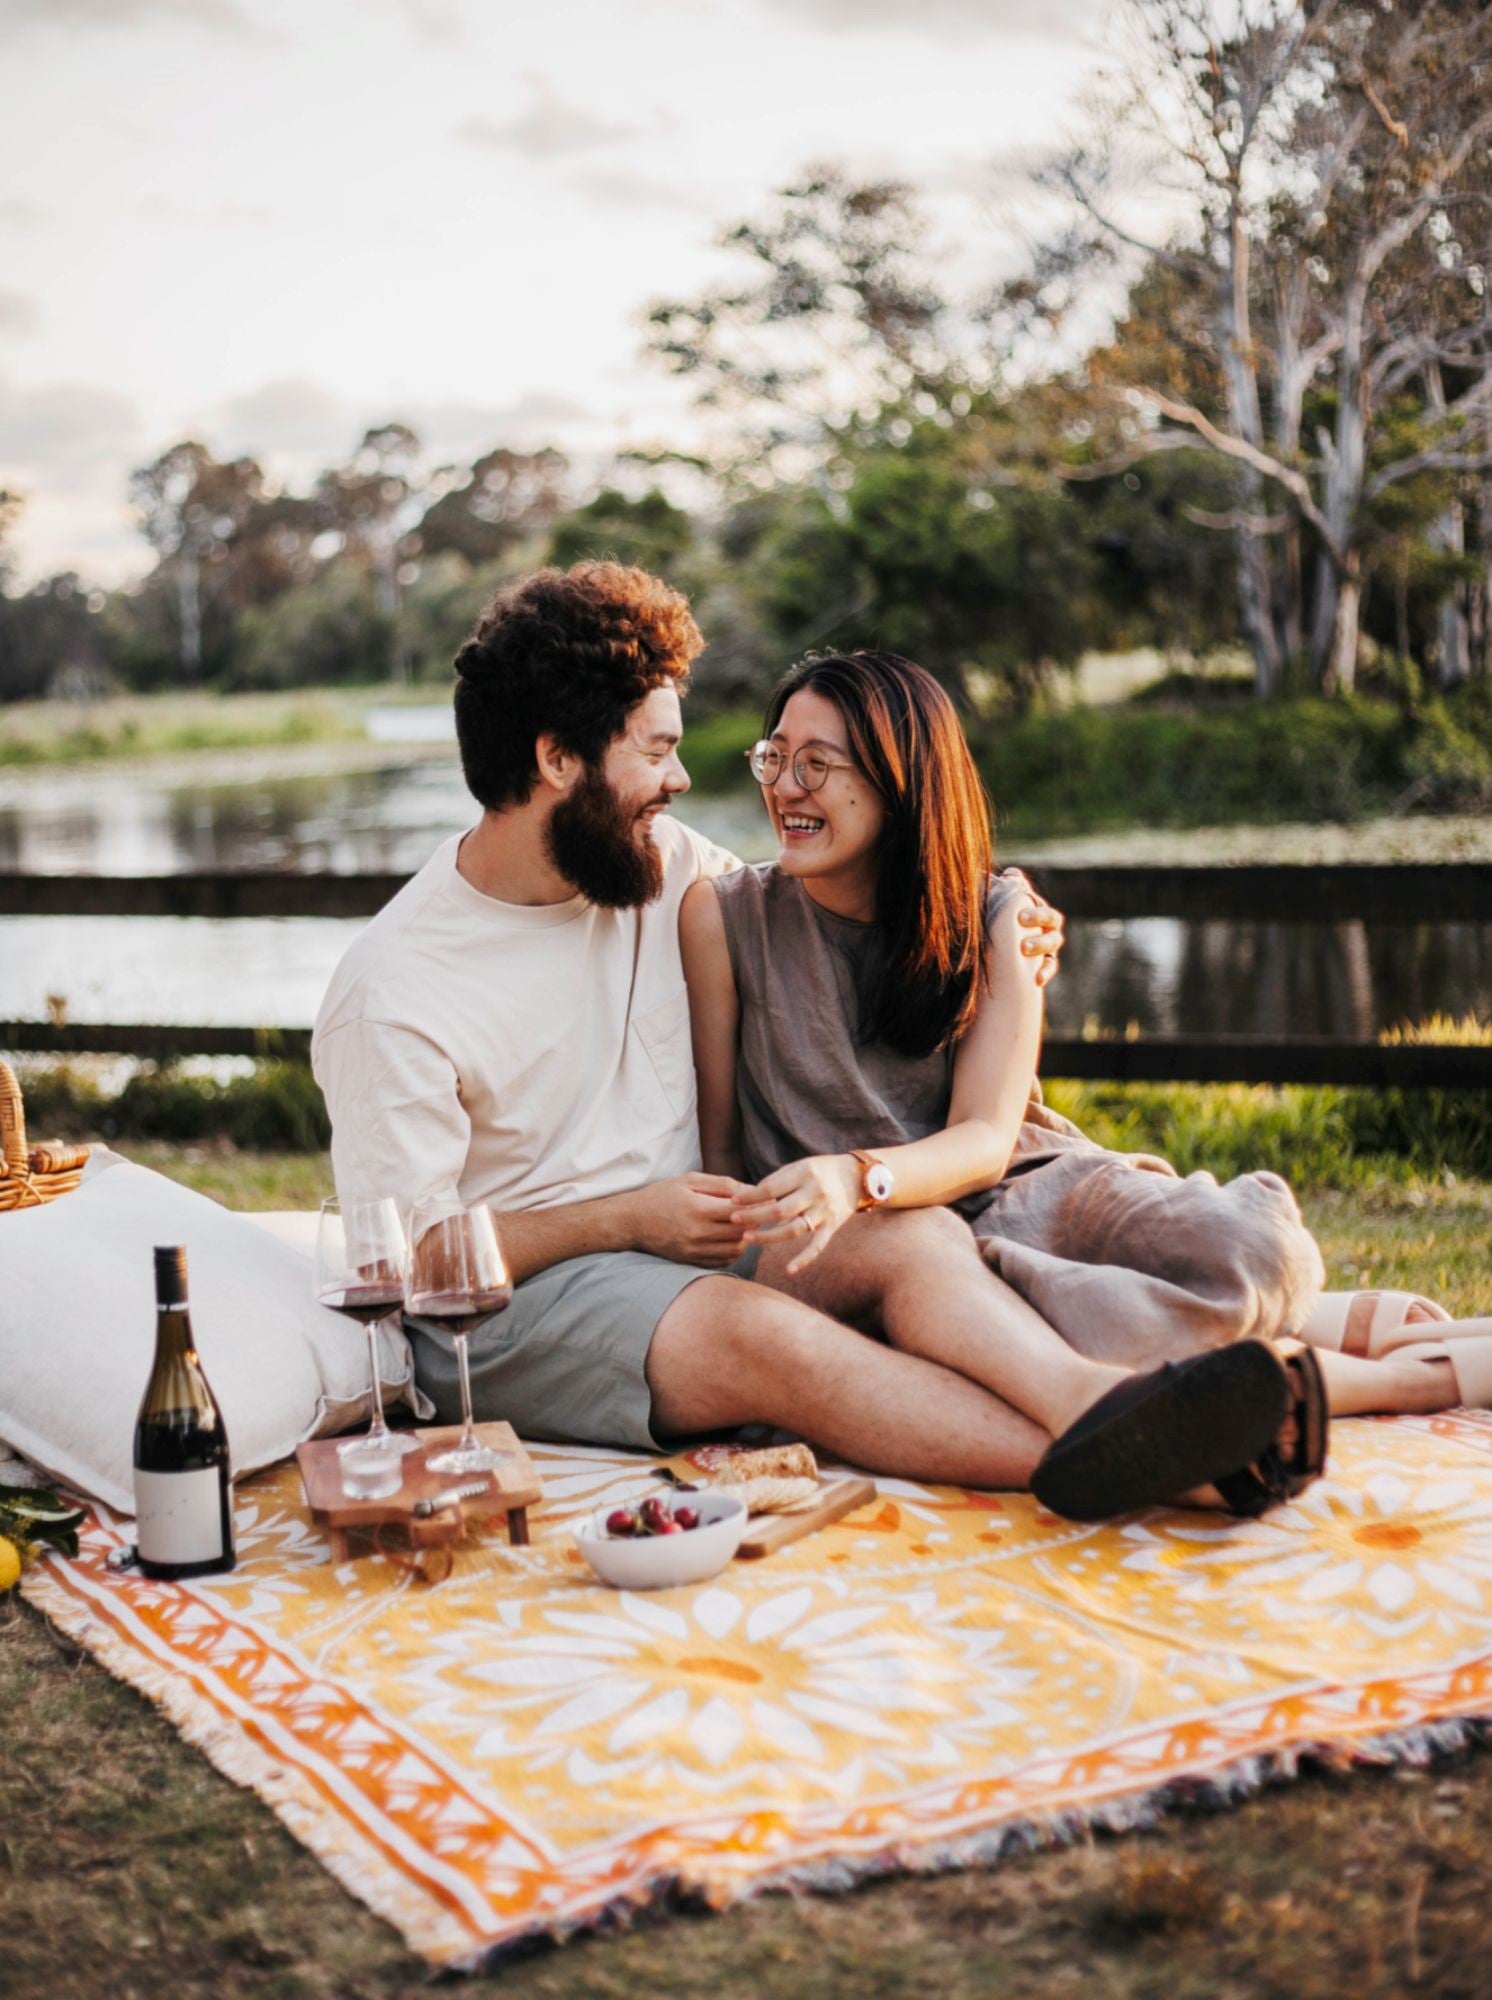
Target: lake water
column 1163, row 976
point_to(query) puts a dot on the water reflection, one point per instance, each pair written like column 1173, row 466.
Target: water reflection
column 1269, row 979
column 1166, row 977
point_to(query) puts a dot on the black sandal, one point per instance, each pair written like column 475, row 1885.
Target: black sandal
column 1202, row 1421
column 1271, row 1477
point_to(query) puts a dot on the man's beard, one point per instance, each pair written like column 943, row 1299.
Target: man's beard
column 593, row 841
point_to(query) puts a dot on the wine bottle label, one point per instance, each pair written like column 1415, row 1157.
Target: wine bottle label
column 178, row 1516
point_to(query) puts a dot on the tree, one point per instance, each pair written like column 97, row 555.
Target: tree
column 371, row 504
column 12, row 506
column 836, row 314
column 50, row 641
column 189, row 506
column 504, row 498
column 649, row 531
column 1333, row 162
column 924, row 556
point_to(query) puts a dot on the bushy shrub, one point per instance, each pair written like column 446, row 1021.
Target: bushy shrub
column 1082, row 768
column 276, row 1108
column 323, row 633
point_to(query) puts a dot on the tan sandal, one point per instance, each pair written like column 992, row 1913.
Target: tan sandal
column 1368, row 1324
column 1470, row 1363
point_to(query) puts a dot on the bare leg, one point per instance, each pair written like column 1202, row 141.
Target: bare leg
column 1413, row 1384
column 730, row 1353
column 919, row 1275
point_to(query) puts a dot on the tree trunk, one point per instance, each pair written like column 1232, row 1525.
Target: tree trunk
column 1292, row 379
column 189, row 596
column 1341, row 665
column 1479, row 622
column 1255, row 605
column 1338, row 605
column 1324, row 601
column 1452, row 641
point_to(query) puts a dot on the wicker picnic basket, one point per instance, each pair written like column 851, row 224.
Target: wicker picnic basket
column 32, row 1175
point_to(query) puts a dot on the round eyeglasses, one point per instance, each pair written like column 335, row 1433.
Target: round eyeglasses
column 810, row 769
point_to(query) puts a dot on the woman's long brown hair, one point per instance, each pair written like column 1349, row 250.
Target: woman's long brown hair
column 934, row 853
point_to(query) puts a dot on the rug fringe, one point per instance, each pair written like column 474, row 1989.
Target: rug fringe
column 354, row 1860
column 1219, row 1791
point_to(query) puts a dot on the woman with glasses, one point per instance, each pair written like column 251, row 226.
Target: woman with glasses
column 866, row 1032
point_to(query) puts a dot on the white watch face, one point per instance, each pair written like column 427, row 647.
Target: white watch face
column 878, row 1183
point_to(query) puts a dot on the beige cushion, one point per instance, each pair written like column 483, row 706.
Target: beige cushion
column 77, row 1329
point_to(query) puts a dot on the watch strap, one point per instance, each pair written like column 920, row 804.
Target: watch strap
column 866, row 1162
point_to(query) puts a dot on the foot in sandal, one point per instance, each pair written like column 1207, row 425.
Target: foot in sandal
column 1467, row 1355
column 1240, row 1419
column 1402, row 1327
column 1368, row 1324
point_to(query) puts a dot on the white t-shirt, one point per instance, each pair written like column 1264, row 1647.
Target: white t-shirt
column 525, row 1057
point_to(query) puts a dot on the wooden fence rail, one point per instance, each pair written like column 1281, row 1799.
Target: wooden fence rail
column 1408, row 893
column 1366, row 892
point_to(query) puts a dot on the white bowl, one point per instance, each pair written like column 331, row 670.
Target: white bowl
column 658, row 1562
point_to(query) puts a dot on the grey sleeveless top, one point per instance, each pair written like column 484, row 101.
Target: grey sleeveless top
column 804, row 1082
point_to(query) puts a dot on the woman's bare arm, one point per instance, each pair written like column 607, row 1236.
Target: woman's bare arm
column 714, row 1022
column 993, row 1070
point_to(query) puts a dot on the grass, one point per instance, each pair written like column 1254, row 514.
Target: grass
column 129, row 1867
column 149, row 725
column 1317, row 1137
column 135, row 1869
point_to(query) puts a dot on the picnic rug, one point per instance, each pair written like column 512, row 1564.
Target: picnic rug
column 938, row 1679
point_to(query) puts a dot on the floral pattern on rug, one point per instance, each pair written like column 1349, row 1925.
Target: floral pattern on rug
column 520, row 1748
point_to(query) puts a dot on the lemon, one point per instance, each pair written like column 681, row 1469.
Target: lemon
column 10, row 1564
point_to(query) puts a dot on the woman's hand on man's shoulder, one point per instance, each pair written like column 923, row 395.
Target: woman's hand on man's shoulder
column 1039, row 928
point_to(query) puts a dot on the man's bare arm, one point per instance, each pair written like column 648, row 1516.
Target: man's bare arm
column 686, row 1219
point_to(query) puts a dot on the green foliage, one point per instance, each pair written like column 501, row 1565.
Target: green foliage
column 649, row 532
column 1316, row 1137
column 714, row 748
column 324, row 632
column 277, row 1108
column 443, row 605
column 156, row 725
column 927, row 560
column 1306, row 759
column 1227, row 1129
column 33, row 1514
column 51, row 631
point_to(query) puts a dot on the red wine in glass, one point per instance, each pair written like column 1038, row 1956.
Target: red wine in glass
column 367, row 1304
column 464, row 1312
column 458, row 1278
column 361, row 1267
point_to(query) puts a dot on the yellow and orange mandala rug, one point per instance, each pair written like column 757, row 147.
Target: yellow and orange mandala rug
column 934, row 1681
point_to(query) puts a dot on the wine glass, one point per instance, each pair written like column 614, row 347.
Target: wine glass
column 361, row 1261
column 457, row 1277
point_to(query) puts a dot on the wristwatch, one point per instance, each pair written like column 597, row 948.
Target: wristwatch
column 876, row 1180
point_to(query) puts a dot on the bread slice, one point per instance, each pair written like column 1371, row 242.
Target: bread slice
column 770, row 1480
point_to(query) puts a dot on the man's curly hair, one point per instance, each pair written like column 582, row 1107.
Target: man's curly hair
column 567, row 653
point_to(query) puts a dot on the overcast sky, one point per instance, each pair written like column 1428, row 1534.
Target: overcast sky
column 270, row 223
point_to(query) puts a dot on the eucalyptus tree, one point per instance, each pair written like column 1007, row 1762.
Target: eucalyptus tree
column 834, row 322
column 190, row 505
column 372, row 505
column 503, row 498
column 1323, row 170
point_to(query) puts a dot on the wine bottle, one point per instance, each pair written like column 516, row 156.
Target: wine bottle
column 183, row 1503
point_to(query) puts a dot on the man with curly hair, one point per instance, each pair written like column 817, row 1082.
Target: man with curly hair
column 513, row 1029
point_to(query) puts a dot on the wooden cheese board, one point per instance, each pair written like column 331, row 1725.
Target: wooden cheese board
column 513, row 1488
column 767, row 1533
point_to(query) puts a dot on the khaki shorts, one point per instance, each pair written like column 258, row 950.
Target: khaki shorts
column 568, row 1359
